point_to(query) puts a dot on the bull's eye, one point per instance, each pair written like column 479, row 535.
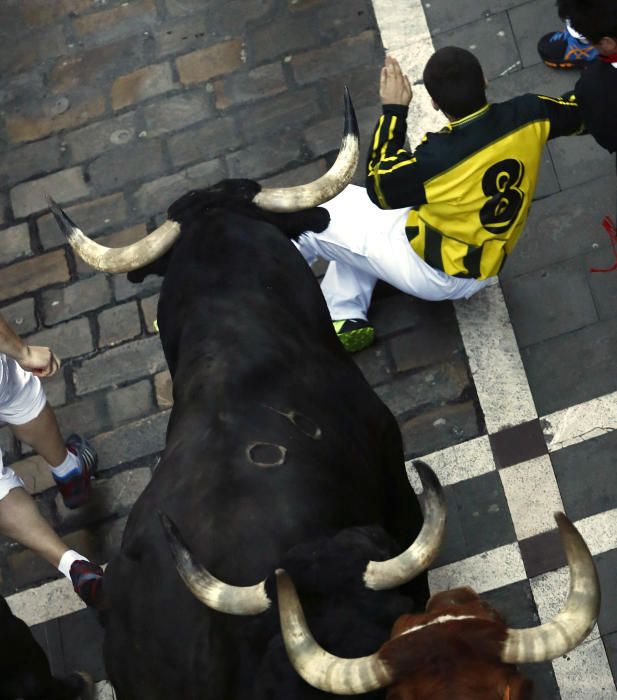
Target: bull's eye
column 266, row 454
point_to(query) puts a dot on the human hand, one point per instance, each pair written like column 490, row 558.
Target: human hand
column 394, row 87
column 39, row 360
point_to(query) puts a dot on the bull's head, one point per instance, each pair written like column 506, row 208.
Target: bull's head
column 459, row 648
column 282, row 199
column 378, row 575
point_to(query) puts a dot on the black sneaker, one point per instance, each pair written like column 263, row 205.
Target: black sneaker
column 354, row 333
column 562, row 50
column 75, row 489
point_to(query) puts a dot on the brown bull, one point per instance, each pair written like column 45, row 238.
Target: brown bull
column 460, row 649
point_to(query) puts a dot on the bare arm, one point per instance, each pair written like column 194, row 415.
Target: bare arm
column 34, row 358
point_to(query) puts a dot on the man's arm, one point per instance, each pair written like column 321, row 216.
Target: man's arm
column 392, row 179
column 36, row 359
column 564, row 115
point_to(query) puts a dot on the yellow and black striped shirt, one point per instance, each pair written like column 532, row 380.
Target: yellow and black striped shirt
column 471, row 184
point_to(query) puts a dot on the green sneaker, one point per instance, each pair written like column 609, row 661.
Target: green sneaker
column 354, row 333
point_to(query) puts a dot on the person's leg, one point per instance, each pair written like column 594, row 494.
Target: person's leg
column 25, row 409
column 20, row 520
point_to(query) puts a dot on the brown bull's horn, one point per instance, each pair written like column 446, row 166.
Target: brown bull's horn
column 288, row 199
column 316, row 666
column 235, row 600
column 380, row 575
column 125, row 259
column 574, row 621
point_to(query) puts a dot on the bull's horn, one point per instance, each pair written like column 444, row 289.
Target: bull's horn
column 125, row 259
column 317, row 667
column 235, row 600
column 288, row 199
column 380, row 575
column 574, row 621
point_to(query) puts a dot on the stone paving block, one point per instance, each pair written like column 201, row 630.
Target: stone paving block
column 586, row 476
column 170, row 114
column 117, row 168
column 263, row 158
column 130, row 402
column 363, row 84
column 113, row 495
column 68, row 340
column 427, row 345
column 126, row 19
column 436, row 428
column 259, row 83
column 31, row 127
column 55, row 388
column 204, row 142
column 374, row 363
column 538, row 79
column 446, row 381
column 530, row 22
column 181, row 36
column 226, row 18
column 33, row 274
column 14, row 243
column 92, row 217
column 442, row 15
column 298, row 176
column 33, row 159
column 547, row 183
column 118, row 324
column 106, row 62
column 132, row 360
column 123, row 289
column 141, row 84
column 163, row 389
column 490, row 39
column 566, row 225
column 21, row 315
column 75, row 299
column 550, row 302
column 400, row 312
column 86, row 416
column 585, row 369
column 35, row 473
column 63, row 186
column 292, row 109
column 336, row 20
column 287, row 35
column 204, row 64
column 603, row 285
column 132, row 441
column 579, row 159
column 149, row 308
column 155, row 197
column 82, row 643
column 311, row 66
column 39, row 12
column 91, row 141
column 8, row 445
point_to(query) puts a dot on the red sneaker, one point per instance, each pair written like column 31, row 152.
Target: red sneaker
column 75, row 489
column 87, row 581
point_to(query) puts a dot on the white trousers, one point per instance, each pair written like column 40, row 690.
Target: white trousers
column 21, row 400
column 365, row 243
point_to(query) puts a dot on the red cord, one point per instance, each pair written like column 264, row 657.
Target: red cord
column 609, row 226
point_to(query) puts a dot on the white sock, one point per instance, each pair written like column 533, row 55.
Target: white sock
column 66, row 561
column 70, row 464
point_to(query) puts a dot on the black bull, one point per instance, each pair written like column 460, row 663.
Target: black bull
column 278, row 454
